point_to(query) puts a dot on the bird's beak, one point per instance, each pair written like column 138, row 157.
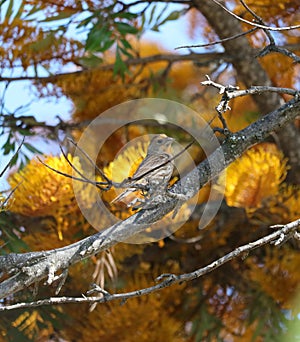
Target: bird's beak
column 169, row 144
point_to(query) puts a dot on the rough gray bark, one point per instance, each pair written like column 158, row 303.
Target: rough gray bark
column 26, row 269
column 251, row 73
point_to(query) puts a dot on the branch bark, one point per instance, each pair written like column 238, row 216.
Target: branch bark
column 166, row 280
column 29, row 268
column 250, row 72
column 168, row 58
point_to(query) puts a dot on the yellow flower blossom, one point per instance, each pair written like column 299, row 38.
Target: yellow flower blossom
column 281, row 208
column 255, row 176
column 124, row 165
column 281, row 263
column 43, row 192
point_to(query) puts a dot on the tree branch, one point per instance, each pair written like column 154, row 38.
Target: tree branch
column 250, row 72
column 28, row 268
column 170, row 58
column 166, row 280
column 220, row 41
column 251, row 23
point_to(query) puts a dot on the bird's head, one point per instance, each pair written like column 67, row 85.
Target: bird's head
column 160, row 144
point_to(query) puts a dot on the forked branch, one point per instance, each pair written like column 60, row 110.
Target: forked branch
column 166, row 280
column 25, row 269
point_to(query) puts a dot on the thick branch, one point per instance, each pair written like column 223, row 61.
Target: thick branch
column 167, row 280
column 250, row 72
column 30, row 268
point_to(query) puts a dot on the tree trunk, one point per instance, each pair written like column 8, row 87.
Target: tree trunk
column 250, row 72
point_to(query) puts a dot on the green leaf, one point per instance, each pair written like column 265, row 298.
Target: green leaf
column 85, row 21
column 152, row 14
column 90, row 61
column 105, row 45
column 25, row 132
column 126, row 43
column 99, row 39
column 124, row 15
column 14, row 160
column 15, row 244
column 125, row 52
column 125, row 28
column 9, row 10
column 44, row 43
column 31, row 148
column 172, row 16
column 62, row 15
column 20, row 10
column 143, row 21
column 34, row 10
column 119, row 67
column 8, row 146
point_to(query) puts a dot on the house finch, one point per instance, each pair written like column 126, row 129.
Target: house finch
column 154, row 172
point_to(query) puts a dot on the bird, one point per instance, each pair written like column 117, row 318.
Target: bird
column 153, row 173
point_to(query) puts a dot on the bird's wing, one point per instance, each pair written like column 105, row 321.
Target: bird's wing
column 149, row 163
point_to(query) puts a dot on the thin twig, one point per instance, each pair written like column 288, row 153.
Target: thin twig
column 217, row 41
column 285, row 28
column 102, row 174
column 9, row 196
column 272, row 47
column 165, row 280
column 8, row 164
column 233, row 91
column 168, row 58
column 259, row 20
column 66, row 174
column 97, row 184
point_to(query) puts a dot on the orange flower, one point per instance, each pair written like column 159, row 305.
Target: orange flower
column 255, row 176
column 42, row 192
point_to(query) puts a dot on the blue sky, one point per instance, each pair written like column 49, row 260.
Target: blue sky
column 171, row 35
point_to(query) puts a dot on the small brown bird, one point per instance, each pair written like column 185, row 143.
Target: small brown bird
column 154, row 172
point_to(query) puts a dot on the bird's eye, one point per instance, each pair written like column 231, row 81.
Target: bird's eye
column 159, row 141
